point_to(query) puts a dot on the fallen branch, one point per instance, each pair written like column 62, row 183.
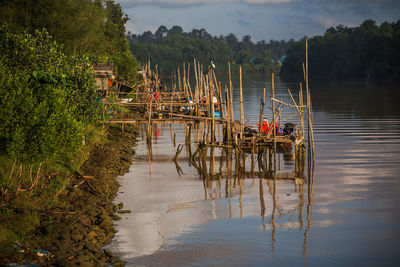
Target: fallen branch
column 78, row 175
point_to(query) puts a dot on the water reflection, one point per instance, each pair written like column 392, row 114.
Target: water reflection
column 229, row 210
column 170, row 203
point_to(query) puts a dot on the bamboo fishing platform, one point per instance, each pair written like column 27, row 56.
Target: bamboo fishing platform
column 209, row 106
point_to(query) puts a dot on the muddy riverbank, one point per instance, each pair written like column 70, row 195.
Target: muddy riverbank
column 76, row 229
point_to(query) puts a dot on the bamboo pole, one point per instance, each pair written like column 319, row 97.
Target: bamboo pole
column 149, row 125
column 241, row 105
column 311, row 126
column 301, row 110
column 188, row 78
column 179, row 81
column 212, row 116
column 221, row 104
column 196, row 89
column 230, row 91
column 228, row 116
column 309, row 115
column 262, row 104
column 273, row 116
column 207, row 95
column 184, row 78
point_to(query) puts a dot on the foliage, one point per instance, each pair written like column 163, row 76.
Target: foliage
column 367, row 51
column 49, row 111
column 170, row 47
column 75, row 24
column 38, row 120
column 94, row 27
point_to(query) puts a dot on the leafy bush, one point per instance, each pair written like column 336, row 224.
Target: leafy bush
column 45, row 97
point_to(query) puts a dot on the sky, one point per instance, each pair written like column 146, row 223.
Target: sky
column 261, row 19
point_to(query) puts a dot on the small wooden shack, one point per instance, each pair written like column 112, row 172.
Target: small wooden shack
column 104, row 75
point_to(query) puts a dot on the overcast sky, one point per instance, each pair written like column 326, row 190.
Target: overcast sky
column 262, row 19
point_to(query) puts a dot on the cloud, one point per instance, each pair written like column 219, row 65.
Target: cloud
column 329, row 22
column 188, row 3
column 326, row 22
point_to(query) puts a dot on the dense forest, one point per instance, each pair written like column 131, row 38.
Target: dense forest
column 168, row 48
column 93, row 28
column 368, row 51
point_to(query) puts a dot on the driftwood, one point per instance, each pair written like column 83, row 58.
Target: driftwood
column 80, row 176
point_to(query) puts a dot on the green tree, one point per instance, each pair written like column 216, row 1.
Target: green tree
column 368, row 51
column 40, row 120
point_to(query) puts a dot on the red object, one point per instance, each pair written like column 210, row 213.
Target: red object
column 157, row 95
column 265, row 127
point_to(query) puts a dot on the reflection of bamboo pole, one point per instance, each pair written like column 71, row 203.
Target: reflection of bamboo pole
column 229, row 172
column 229, row 179
column 240, row 197
column 212, row 159
column 262, row 202
column 310, row 195
column 301, row 204
column 149, row 150
column 274, row 203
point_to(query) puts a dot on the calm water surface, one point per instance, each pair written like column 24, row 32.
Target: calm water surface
column 349, row 215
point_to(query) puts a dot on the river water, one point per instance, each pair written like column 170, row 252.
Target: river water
column 347, row 214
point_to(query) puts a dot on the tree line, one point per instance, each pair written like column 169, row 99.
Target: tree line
column 168, row 48
column 368, row 51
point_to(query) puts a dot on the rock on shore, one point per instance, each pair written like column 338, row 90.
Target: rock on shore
column 76, row 231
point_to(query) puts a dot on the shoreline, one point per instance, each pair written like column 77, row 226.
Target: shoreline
column 75, row 230
column 93, row 228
